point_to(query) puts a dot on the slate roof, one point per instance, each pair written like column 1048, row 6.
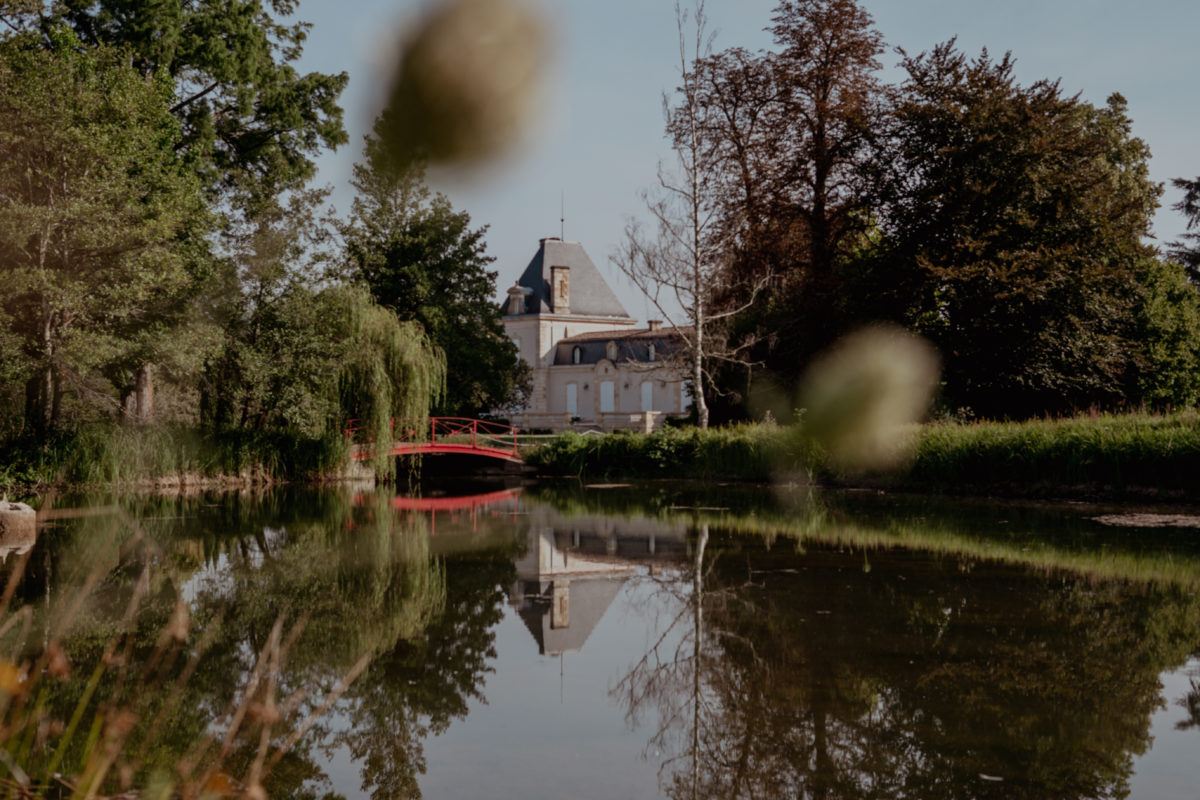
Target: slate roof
column 640, row 333
column 631, row 345
column 590, row 293
column 589, row 599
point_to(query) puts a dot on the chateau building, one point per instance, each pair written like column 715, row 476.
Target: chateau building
column 592, row 366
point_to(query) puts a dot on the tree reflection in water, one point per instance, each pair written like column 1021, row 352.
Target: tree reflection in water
column 832, row 672
column 860, row 659
column 347, row 580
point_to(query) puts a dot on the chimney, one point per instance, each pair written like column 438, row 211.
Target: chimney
column 655, row 324
column 560, row 290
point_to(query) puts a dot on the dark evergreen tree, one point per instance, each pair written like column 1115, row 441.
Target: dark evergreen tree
column 422, row 259
column 1187, row 249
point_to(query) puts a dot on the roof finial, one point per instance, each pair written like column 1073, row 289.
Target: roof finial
column 562, row 220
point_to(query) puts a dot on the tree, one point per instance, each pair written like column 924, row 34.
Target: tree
column 305, row 356
column 250, row 121
column 790, row 135
column 682, row 264
column 1167, row 330
column 1013, row 235
column 421, row 259
column 97, row 208
column 1187, row 249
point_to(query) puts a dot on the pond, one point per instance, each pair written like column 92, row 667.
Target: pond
column 559, row 640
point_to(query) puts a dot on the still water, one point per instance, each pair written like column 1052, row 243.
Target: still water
column 564, row 641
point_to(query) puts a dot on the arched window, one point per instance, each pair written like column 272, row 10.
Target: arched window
column 611, row 351
column 652, row 353
column 577, row 355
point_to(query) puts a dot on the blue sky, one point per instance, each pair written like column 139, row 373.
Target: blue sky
column 597, row 138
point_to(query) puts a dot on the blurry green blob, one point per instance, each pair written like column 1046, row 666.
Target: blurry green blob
column 861, row 396
column 466, row 81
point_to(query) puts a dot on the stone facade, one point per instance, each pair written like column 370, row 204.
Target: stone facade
column 592, row 367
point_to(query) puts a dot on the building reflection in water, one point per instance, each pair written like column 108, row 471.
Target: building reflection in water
column 574, row 568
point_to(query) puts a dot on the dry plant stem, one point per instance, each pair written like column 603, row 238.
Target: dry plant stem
column 268, row 712
column 10, row 587
column 15, row 769
column 177, row 688
column 24, row 615
column 243, row 707
column 85, row 591
column 117, row 730
column 312, row 718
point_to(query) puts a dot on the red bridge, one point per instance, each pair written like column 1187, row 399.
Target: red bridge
column 443, row 435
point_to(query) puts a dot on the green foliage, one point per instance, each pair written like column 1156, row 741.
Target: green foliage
column 1168, row 330
column 1187, row 249
column 312, row 360
column 743, row 452
column 113, row 455
column 1015, row 227
column 421, row 259
column 390, row 372
column 250, row 121
column 1105, row 455
column 302, row 356
column 98, row 211
column 1111, row 455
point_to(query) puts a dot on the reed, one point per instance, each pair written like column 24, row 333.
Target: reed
column 117, row 455
column 1110, row 455
column 743, row 452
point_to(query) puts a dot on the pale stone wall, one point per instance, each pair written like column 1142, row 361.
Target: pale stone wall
column 539, row 334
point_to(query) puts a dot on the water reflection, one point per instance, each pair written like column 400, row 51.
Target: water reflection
column 573, row 568
column 752, row 646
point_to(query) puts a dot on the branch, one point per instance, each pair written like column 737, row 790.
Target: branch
column 188, row 101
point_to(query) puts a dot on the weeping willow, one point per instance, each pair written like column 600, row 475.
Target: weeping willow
column 391, row 371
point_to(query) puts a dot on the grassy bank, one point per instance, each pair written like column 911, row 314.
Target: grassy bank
column 741, row 452
column 116, row 455
column 1129, row 455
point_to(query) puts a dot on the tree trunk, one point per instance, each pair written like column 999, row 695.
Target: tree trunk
column 697, row 651
column 138, row 404
column 35, row 405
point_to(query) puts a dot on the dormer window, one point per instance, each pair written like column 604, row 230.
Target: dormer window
column 651, row 355
column 611, row 351
column 577, row 355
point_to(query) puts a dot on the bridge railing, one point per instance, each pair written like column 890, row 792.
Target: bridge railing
column 475, row 433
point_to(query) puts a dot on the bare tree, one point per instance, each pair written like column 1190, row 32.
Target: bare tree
column 680, row 264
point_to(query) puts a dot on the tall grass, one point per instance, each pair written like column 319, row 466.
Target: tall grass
column 1108, row 454
column 1104, row 455
column 745, row 452
column 115, row 455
